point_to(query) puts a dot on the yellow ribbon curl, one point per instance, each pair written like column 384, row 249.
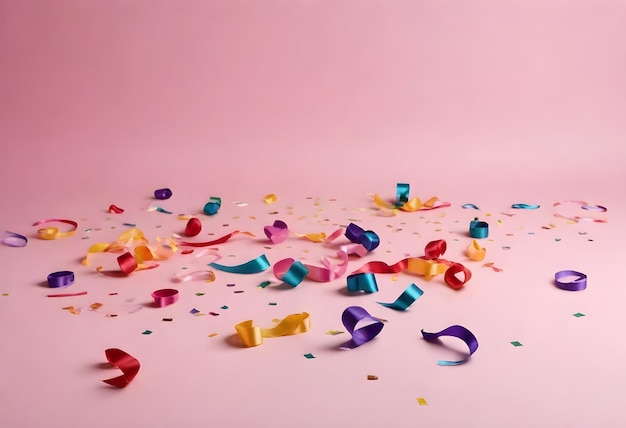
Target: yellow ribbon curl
column 251, row 335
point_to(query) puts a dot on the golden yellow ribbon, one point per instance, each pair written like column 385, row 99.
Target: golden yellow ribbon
column 251, row 335
column 414, row 204
column 142, row 251
column 475, row 252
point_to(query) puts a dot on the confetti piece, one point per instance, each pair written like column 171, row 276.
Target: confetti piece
column 224, row 307
column 579, row 314
column 81, row 293
column 72, row 310
column 212, row 334
column 95, row 306
column 110, row 315
column 516, row 343
column 200, row 294
column 168, row 319
column 334, row 332
column 146, row 332
column 372, row 377
column 506, row 248
column 230, row 285
column 270, row 199
column 466, row 206
column 309, row 356
column 422, row 402
column 194, row 311
column 264, row 284
column 114, row 209
column 238, row 291
column 129, row 224
column 272, row 303
column 215, row 314
column 557, row 239
column 5, row 294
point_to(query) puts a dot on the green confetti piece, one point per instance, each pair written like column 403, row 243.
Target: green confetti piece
column 272, row 303
column 309, row 356
column 200, row 294
column 224, row 307
column 147, row 332
column 264, row 284
column 578, row 314
column 516, row 343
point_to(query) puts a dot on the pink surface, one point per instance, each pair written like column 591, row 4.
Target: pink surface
column 485, row 102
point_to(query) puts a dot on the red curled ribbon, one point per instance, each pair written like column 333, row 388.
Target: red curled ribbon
column 218, row 241
column 429, row 265
column 165, row 296
column 128, row 364
column 114, row 209
column 193, row 228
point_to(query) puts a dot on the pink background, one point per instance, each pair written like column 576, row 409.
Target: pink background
column 486, row 102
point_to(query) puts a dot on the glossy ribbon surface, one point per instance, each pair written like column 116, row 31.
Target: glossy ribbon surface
column 404, row 203
column 53, row 232
column 475, row 252
column 370, row 326
column 128, row 364
column 198, row 275
column 279, row 232
column 256, row 265
column 218, row 241
column 163, row 193
column 165, row 296
column 60, row 279
column 213, row 206
column 525, row 206
column 406, row 299
column 290, row 271
column 478, row 229
column 365, row 281
column 459, row 332
column 114, row 209
column 14, row 240
column 578, row 283
column 250, row 335
column 585, row 206
column 367, row 238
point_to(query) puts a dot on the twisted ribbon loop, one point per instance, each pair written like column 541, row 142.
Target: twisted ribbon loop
column 354, row 316
column 251, row 335
column 459, row 332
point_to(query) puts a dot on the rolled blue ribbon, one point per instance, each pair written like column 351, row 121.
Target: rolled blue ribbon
column 213, row 206
column 368, row 239
column 295, row 274
column 459, row 332
column 525, row 206
column 253, row 266
column 402, row 193
column 350, row 317
column 406, row 299
column 60, row 279
column 365, row 281
column 478, row 229
column 163, row 193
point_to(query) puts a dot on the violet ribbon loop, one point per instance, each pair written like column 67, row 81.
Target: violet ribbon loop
column 60, row 279
column 278, row 232
column 578, row 284
column 368, row 239
column 14, row 240
column 365, row 281
column 354, row 315
column 459, row 332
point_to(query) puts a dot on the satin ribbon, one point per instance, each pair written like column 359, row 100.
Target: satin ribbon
column 406, row 299
column 475, row 252
column 466, row 206
column 351, row 318
column 578, row 284
column 251, row 335
column 256, row 265
column 128, row 364
column 205, row 275
column 53, row 232
column 430, row 265
column 80, row 293
column 585, row 206
column 163, row 193
column 193, row 228
column 165, row 296
column 364, row 281
column 213, row 206
column 478, row 229
column 525, row 206
column 367, row 238
column 459, row 332
column 279, row 232
column 14, row 240
column 290, row 271
column 270, row 199
column 60, row 279
column 218, row 241
column 114, row 209
column 405, row 204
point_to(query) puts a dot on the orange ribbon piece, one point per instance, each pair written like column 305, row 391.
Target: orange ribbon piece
column 251, row 335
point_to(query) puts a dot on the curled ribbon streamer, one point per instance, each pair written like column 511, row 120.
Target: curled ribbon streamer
column 466, row 206
column 459, row 332
column 14, row 240
column 193, row 228
column 165, row 296
column 279, row 232
column 365, row 281
column 478, row 229
column 475, row 252
column 60, row 279
column 367, row 238
column 585, row 206
column 53, row 232
column 525, row 206
column 128, row 364
column 213, row 206
column 290, row 271
column 270, row 199
column 251, row 335
column 405, row 204
column 256, row 265
column 406, row 299
column 351, row 318
column 205, row 275
column 218, row 241
column 114, row 209
column 579, row 282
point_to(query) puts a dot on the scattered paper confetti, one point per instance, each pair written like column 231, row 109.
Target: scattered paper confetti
column 422, row 402
column 230, row 285
column 212, row 334
column 272, row 303
column 270, row 199
column 334, row 332
column 200, row 294
column 372, row 377
column 215, row 314
column 264, row 284
column 72, row 310
column 194, row 311
column 224, row 307
column 579, row 314
column 5, row 294
column 168, row 319
column 147, row 332
column 238, row 291
column 309, row 356
column 95, row 306
column 516, row 343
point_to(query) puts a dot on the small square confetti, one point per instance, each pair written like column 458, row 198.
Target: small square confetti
column 422, row 402
column 194, row 311
column 372, row 377
column 272, row 303
column 516, row 343
column 309, row 356
column 334, row 332
column 200, row 294
column 212, row 334
column 147, row 332
column 214, row 314
column 238, row 291
column 579, row 314
column 264, row 284
column 168, row 319
column 224, row 307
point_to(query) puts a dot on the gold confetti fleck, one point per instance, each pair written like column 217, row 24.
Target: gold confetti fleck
column 372, row 377
column 334, row 332
column 212, row 334
column 394, row 278
column 422, row 402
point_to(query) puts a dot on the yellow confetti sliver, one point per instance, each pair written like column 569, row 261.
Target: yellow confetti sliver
column 552, row 225
column 422, row 402
column 334, row 332
column 199, row 314
column 72, row 310
column 212, row 334
column 270, row 199
column 488, row 215
column 500, row 222
column 252, row 217
column 276, row 320
column 95, row 306
column 394, row 278
column 372, row 377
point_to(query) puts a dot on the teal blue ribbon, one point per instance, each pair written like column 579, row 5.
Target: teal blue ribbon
column 478, row 229
column 466, row 206
column 295, row 274
column 213, row 206
column 525, row 206
column 406, row 299
column 402, row 193
column 253, row 266
column 365, row 281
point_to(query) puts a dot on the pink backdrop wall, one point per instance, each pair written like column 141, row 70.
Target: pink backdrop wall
column 491, row 102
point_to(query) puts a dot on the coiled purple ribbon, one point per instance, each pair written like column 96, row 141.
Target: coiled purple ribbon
column 354, row 315
column 577, row 284
column 163, row 193
column 457, row 331
column 60, row 279
column 14, row 240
